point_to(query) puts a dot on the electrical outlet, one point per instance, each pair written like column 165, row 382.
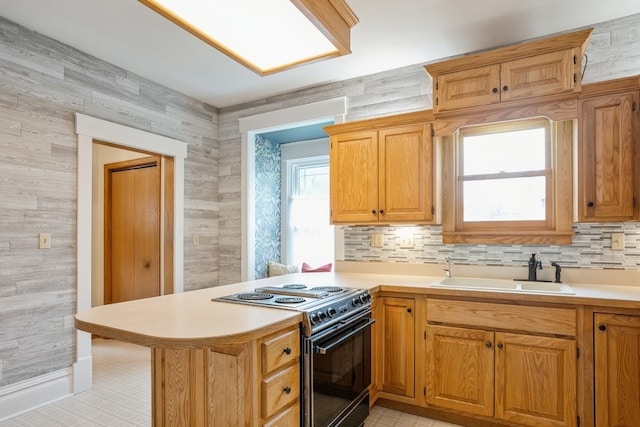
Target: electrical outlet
column 45, row 241
column 407, row 242
column 617, row 241
column 196, row 240
column 377, row 240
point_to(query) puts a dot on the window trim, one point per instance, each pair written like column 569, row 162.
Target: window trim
column 555, row 229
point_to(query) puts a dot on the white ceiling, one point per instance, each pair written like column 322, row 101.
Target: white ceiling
column 390, row 34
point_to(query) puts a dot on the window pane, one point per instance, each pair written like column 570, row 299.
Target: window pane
column 312, row 180
column 515, row 199
column 516, row 151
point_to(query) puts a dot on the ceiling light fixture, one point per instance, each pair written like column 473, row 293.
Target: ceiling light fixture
column 266, row 36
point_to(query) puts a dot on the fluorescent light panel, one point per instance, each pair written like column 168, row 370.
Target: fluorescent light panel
column 264, row 35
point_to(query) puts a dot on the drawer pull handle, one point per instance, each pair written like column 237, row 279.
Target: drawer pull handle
column 287, row 350
column 287, row 390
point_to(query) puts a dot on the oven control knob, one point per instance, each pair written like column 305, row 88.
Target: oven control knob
column 356, row 302
column 331, row 312
column 363, row 299
column 321, row 315
column 314, row 318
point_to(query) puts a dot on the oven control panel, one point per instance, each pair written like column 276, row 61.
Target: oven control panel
column 334, row 311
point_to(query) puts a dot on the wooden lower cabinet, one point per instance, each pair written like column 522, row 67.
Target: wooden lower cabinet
column 460, row 372
column 617, row 370
column 535, row 380
column 397, row 325
column 252, row 383
column 525, row 379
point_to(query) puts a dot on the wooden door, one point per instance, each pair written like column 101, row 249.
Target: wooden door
column 540, row 75
column 460, row 374
column 605, row 156
column 406, row 173
column 617, row 370
column 354, row 177
column 397, row 364
column 468, row 88
column 132, row 230
column 535, row 380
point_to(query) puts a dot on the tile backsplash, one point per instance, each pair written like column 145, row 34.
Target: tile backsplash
column 591, row 248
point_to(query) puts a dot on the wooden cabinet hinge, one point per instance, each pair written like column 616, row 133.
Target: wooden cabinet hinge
column 578, row 422
column 433, row 210
column 633, row 106
column 425, row 335
column 575, row 59
column 424, row 391
column 433, row 132
column 577, row 353
column 634, row 201
column 436, row 85
column 575, row 78
column 436, row 101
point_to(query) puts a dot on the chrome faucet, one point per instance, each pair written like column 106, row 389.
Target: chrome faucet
column 447, row 271
column 534, row 266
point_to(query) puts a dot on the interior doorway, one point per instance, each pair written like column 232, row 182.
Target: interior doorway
column 132, row 230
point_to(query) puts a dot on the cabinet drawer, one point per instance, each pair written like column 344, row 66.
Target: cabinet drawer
column 280, row 390
column 543, row 320
column 280, row 350
column 287, row 418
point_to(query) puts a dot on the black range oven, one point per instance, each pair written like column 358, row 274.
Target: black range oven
column 336, row 340
column 337, row 373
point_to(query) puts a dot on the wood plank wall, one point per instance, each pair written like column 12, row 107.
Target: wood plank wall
column 613, row 52
column 42, row 83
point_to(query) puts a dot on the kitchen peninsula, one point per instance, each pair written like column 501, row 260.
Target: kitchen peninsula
column 208, row 357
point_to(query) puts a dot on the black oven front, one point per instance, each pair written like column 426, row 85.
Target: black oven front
column 337, row 374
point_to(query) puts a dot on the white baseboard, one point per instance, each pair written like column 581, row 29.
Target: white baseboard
column 24, row 396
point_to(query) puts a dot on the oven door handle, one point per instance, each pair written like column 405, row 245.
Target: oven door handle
column 325, row 349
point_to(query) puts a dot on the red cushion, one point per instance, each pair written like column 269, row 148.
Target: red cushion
column 306, row 268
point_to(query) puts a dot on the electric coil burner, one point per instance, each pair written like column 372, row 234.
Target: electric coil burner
column 336, row 348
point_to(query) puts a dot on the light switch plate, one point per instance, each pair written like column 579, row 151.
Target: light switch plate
column 377, row 240
column 617, row 241
column 45, row 241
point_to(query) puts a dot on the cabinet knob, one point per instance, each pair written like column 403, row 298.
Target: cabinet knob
column 505, row 88
column 287, row 390
column 374, row 212
column 494, row 90
column 488, row 344
column 381, row 212
column 409, row 310
column 500, row 345
column 287, row 350
column 590, row 204
column 602, row 327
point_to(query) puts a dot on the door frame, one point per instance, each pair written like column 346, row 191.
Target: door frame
column 87, row 129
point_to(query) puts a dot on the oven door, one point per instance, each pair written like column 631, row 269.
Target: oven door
column 338, row 374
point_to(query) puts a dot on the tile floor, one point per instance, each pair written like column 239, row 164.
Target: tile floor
column 121, row 396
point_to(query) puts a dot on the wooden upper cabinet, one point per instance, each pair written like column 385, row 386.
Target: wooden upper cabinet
column 617, row 370
column 382, row 170
column 608, row 134
column 524, row 71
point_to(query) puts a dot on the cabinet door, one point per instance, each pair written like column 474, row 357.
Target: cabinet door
column 354, row 177
column 398, row 339
column 617, row 370
column 460, row 369
column 468, row 88
column 535, row 380
column 540, row 75
column 605, row 168
column 406, row 173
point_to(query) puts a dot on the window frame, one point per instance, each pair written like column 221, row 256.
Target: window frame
column 556, row 228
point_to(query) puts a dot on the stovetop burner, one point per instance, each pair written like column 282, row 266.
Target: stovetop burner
column 289, row 300
column 295, row 286
column 331, row 289
column 254, row 296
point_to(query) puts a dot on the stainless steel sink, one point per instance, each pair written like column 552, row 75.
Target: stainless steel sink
column 504, row 285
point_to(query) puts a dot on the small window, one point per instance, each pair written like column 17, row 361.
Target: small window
column 505, row 172
column 502, row 186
